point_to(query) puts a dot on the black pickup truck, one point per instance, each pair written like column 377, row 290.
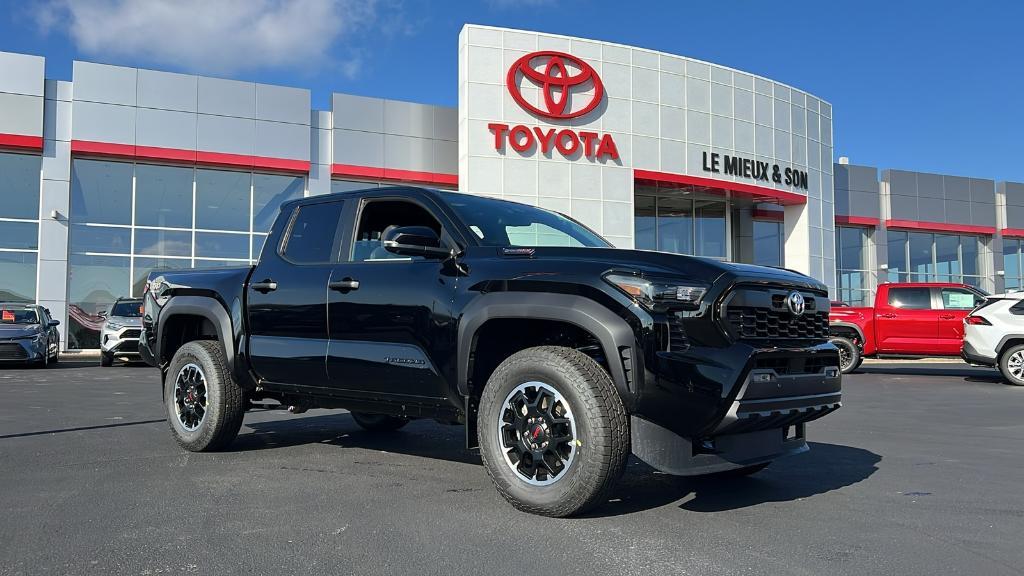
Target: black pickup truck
column 560, row 354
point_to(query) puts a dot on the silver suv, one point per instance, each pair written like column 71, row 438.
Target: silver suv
column 994, row 335
column 119, row 336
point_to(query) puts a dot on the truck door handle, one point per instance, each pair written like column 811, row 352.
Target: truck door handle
column 946, row 317
column 265, row 286
column 344, row 285
column 887, row 315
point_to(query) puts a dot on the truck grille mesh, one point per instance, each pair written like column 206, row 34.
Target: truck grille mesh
column 12, row 351
column 762, row 314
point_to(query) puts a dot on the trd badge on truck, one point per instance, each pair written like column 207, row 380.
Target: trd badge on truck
column 560, row 354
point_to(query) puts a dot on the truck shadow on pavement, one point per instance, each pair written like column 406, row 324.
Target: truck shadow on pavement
column 826, row 467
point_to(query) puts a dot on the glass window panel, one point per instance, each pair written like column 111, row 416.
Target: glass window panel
column 767, row 243
column 218, row 245
column 95, row 282
column 710, row 228
column 947, row 257
column 897, row 253
column 213, row 263
column 163, row 242
column 19, row 235
column 163, row 196
column 257, row 245
column 911, row 298
column 645, row 223
column 969, row 251
column 105, row 239
column 921, row 254
column 957, row 299
column 1011, row 258
column 269, row 191
column 350, row 185
column 101, row 192
column 675, row 225
column 19, row 185
column 144, row 266
column 18, row 269
column 312, row 234
column 222, row 200
column 851, row 248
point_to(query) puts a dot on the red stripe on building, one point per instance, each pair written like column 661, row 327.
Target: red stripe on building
column 762, row 214
column 858, row 221
column 940, row 227
column 109, row 150
column 409, row 176
column 758, row 193
column 21, row 142
column 1013, row 232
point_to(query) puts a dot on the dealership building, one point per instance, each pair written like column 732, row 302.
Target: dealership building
column 121, row 171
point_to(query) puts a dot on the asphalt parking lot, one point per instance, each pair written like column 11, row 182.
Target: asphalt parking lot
column 921, row 472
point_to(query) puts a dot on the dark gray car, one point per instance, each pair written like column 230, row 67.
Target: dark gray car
column 28, row 334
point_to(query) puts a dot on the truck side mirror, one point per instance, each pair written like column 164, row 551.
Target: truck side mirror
column 413, row 241
column 54, row 323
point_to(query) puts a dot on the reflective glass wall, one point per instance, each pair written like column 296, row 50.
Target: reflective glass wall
column 852, row 266
column 1013, row 264
column 928, row 257
column 674, row 222
column 19, row 225
column 130, row 219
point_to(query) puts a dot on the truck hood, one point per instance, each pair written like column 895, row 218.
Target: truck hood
column 650, row 263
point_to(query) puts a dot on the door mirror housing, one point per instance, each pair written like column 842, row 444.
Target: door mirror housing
column 54, row 323
column 413, row 241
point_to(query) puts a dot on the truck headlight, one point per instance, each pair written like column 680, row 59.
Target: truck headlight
column 651, row 291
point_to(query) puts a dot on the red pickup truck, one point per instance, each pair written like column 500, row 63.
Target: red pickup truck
column 918, row 319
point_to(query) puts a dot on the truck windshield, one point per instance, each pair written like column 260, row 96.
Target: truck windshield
column 501, row 223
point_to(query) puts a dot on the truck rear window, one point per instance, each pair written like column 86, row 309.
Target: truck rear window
column 910, row 298
column 312, row 233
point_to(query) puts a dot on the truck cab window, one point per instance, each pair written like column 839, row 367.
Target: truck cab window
column 910, row 298
column 312, row 233
column 380, row 215
column 959, row 299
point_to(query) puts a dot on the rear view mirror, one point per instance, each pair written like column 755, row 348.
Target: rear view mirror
column 413, row 241
column 54, row 323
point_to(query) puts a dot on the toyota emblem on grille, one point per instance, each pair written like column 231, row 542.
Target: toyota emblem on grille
column 796, row 303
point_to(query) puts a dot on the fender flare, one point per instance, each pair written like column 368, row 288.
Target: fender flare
column 1006, row 340
column 855, row 328
column 611, row 330
column 203, row 306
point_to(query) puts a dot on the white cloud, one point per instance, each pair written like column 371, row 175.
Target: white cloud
column 212, row 36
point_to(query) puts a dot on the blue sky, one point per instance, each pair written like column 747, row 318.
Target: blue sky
column 932, row 86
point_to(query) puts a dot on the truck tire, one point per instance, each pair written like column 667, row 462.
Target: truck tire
column 554, row 435
column 204, row 405
column 106, row 359
column 1011, row 364
column 849, row 353
column 378, row 422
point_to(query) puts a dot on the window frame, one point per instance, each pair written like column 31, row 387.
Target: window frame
column 447, row 236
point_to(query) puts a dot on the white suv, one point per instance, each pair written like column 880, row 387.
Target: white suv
column 994, row 336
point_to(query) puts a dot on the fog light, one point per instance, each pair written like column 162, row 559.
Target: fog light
column 831, row 372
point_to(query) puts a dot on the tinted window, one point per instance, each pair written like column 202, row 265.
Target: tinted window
column 163, row 196
column 127, row 309
column 911, row 298
column 311, row 237
column 269, row 191
column 222, row 245
column 163, row 242
column 223, row 199
column 101, row 192
column 379, row 215
column 19, row 235
column 19, row 186
column 957, row 299
column 18, row 269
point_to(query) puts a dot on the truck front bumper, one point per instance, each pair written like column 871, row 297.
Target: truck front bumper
column 765, row 418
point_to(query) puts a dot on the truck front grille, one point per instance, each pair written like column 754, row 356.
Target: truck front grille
column 131, row 333
column 676, row 334
column 762, row 314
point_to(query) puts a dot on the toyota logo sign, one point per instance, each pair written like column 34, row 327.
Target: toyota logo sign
column 550, row 71
column 796, row 303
